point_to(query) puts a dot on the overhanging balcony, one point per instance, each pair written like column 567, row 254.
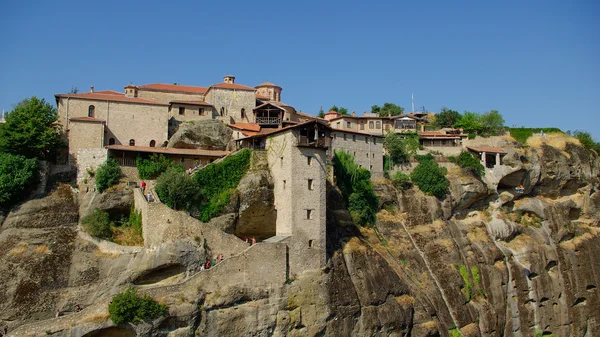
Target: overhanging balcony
column 268, row 120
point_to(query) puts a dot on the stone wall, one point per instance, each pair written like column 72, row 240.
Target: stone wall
column 84, row 135
column 299, row 175
column 367, row 150
column 166, row 97
column 192, row 112
column 89, row 159
column 162, row 224
column 233, row 101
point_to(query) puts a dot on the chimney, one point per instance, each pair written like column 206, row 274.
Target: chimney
column 389, row 113
column 353, row 114
column 365, row 113
column 230, row 79
column 92, row 88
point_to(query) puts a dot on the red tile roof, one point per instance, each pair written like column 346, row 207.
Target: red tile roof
column 191, row 103
column 357, row 132
column 246, row 126
column 86, row 119
column 267, row 84
column 231, row 86
column 168, row 150
column 486, row 149
column 110, row 96
column 268, row 131
column 188, row 89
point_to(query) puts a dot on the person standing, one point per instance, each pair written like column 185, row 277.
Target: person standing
column 143, row 184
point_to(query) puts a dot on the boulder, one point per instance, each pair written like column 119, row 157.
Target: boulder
column 205, row 135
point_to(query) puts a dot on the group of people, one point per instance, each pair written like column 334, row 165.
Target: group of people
column 251, row 241
column 143, row 188
column 211, row 263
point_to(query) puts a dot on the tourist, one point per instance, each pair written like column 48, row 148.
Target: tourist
column 149, row 197
column 208, row 264
column 253, row 241
column 220, row 258
column 143, row 184
column 201, row 267
column 77, row 308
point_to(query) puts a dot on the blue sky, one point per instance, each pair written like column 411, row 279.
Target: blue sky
column 537, row 62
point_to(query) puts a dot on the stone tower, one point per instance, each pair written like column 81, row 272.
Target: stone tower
column 270, row 90
column 229, row 79
column 131, row 91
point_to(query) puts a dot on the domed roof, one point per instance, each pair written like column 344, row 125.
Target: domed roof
column 267, row 84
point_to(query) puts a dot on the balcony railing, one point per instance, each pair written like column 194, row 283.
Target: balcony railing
column 268, row 120
column 321, row 142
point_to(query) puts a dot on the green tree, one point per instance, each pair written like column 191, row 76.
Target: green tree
column 492, row 122
column 431, row 178
column 321, row 113
column 17, row 173
column 341, row 110
column 470, row 122
column 586, row 140
column 107, row 174
column 31, row 130
column 176, row 188
column 447, row 118
column 153, row 167
column 97, row 224
column 467, row 161
column 129, row 307
column 400, row 147
column 375, row 109
column 390, row 109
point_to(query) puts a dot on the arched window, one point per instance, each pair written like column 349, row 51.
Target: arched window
column 132, row 142
column 152, row 143
column 243, row 113
column 111, row 141
column 91, row 111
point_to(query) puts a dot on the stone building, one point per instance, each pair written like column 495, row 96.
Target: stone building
column 372, row 123
column 367, row 149
column 297, row 157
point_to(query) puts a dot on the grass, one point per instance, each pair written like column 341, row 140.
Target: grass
column 522, row 134
column 454, row 332
column 19, row 249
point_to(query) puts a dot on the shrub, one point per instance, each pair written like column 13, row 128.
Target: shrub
column 401, row 148
column 217, row 183
column 472, row 136
column 107, row 174
column 176, row 188
column 467, row 290
column 128, row 307
column 587, row 141
column 402, row 181
column 357, row 190
column 454, row 332
column 522, row 134
column 469, row 162
column 17, row 173
column 153, row 167
column 97, row 224
column 431, row 178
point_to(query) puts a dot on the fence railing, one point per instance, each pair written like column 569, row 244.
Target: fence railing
column 268, row 120
column 129, row 162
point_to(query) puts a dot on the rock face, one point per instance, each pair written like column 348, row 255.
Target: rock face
column 486, row 260
column 205, row 134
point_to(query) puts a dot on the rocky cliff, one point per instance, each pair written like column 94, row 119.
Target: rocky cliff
column 485, row 261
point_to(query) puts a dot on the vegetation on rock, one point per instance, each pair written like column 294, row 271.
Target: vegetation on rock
column 467, row 160
column 153, row 167
column 97, row 224
column 355, row 184
column 31, row 130
column 218, row 182
column 522, row 134
column 127, row 231
column 17, row 173
column 401, row 147
column 401, row 180
column 176, row 188
column 431, row 178
column 129, row 307
column 107, row 174
column 587, row 141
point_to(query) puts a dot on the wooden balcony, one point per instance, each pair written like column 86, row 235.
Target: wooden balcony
column 304, row 141
column 268, row 120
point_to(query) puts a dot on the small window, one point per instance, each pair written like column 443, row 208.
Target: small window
column 373, row 155
column 310, row 243
column 91, row 111
column 132, row 142
column 378, row 124
column 284, row 184
column 310, row 184
column 367, row 155
column 353, row 138
column 354, row 154
column 243, row 113
column 222, row 111
column 181, row 110
column 201, row 111
column 309, row 214
column 111, row 141
column 370, row 124
column 152, row 143
column 337, row 125
column 335, row 136
column 349, row 125
column 366, row 139
column 308, row 160
column 344, row 136
column 362, row 125
column 281, row 161
column 374, row 140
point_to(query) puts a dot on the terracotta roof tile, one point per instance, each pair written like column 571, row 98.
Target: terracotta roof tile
column 246, row 126
column 110, row 96
column 173, row 88
column 357, row 132
column 191, row 103
column 168, row 150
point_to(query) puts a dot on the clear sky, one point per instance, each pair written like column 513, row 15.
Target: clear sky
column 537, row 62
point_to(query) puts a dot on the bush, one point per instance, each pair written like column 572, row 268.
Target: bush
column 128, row 307
column 107, row 175
column 357, row 190
column 401, row 148
column 153, row 167
column 401, row 181
column 469, row 162
column 97, row 224
column 17, row 173
column 522, row 134
column 218, row 183
column 176, row 188
column 587, row 141
column 472, row 136
column 431, row 178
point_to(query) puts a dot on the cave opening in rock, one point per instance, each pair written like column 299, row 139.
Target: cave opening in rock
column 113, row 331
column 160, row 274
column 512, row 181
